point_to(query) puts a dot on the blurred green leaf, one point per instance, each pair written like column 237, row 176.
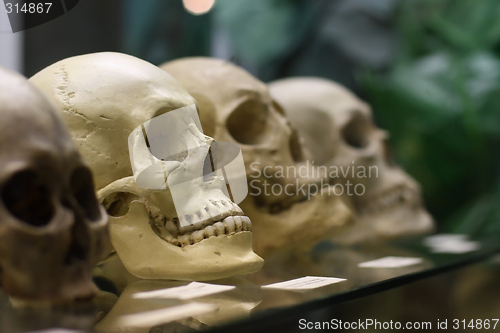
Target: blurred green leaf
column 441, row 103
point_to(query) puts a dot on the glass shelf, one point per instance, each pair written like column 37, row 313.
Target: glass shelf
column 248, row 306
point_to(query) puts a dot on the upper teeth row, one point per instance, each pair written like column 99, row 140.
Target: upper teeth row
column 228, row 226
column 388, row 199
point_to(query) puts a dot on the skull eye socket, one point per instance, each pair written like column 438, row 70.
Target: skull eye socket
column 28, row 198
column 248, row 123
column 82, row 188
column 355, row 133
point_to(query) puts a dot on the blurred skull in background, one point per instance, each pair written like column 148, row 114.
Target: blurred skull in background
column 340, row 135
column 236, row 107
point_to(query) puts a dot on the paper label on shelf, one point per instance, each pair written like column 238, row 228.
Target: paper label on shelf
column 304, row 283
column 192, row 290
column 163, row 316
column 391, row 262
column 451, row 243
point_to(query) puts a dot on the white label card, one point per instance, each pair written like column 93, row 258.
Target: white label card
column 391, row 262
column 163, row 316
column 192, row 290
column 304, row 283
column 451, row 243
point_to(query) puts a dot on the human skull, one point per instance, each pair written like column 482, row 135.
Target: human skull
column 339, row 132
column 236, row 107
column 109, row 100
column 52, row 229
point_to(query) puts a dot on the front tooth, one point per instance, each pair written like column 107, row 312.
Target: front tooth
column 247, row 223
column 219, row 228
column 239, row 223
column 229, row 223
column 209, row 231
column 197, row 236
column 184, row 240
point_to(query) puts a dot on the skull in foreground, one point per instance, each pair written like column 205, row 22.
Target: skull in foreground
column 340, row 135
column 108, row 99
column 52, row 229
column 236, row 107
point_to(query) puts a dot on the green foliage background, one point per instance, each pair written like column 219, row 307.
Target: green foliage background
column 441, row 103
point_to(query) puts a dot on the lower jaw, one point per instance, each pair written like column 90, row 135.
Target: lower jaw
column 211, row 259
column 147, row 256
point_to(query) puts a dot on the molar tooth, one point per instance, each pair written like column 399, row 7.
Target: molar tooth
column 170, row 226
column 175, row 241
column 198, row 236
column 187, row 228
column 184, row 240
column 169, row 238
column 247, row 223
column 160, row 220
column 219, row 229
column 239, row 223
column 209, row 231
column 229, row 223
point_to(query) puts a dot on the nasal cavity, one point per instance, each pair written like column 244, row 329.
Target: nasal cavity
column 82, row 188
column 80, row 245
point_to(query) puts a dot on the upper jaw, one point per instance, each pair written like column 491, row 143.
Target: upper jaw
column 395, row 196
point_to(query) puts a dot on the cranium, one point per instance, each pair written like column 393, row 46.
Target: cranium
column 236, row 107
column 339, row 132
column 52, row 230
column 109, row 99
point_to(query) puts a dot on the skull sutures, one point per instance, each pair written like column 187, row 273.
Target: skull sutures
column 52, row 229
column 104, row 98
column 339, row 134
column 236, row 107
